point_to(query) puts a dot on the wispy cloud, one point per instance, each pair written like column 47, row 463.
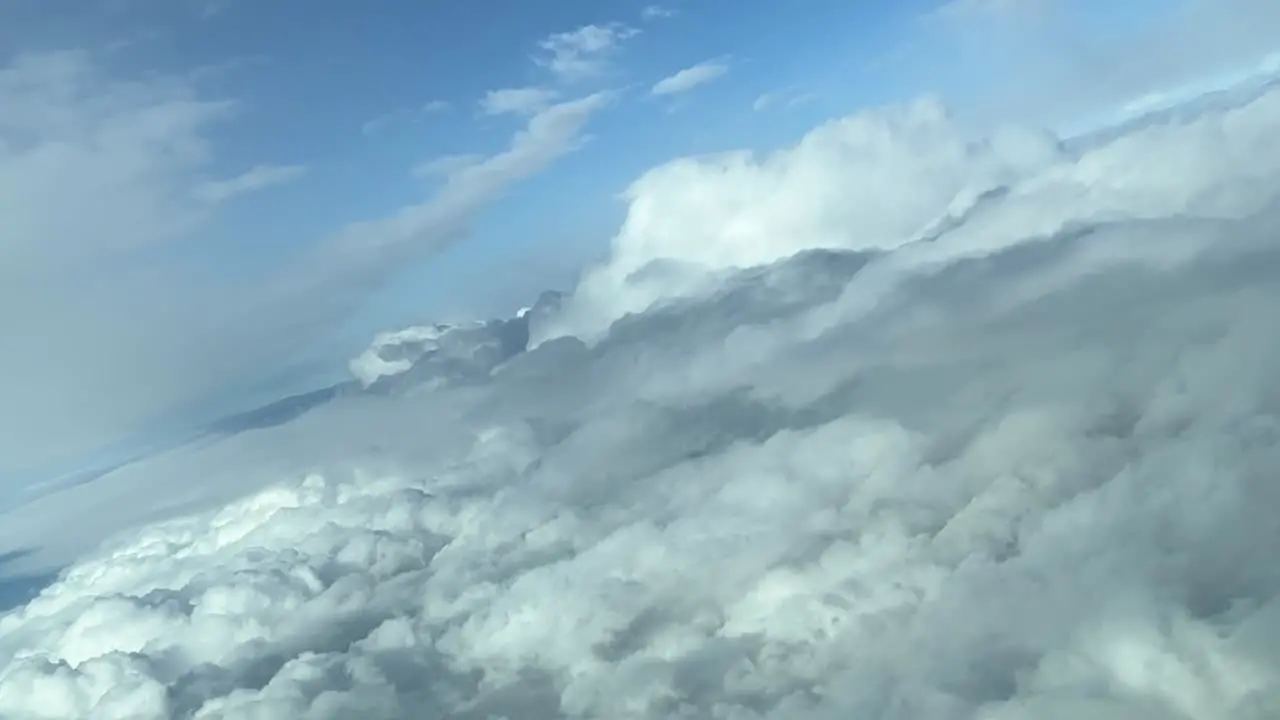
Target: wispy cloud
column 783, row 98
column 103, row 187
column 517, row 101
column 363, row 253
column 446, row 165
column 690, row 78
column 255, row 179
column 385, row 122
column 582, row 53
column 657, row 12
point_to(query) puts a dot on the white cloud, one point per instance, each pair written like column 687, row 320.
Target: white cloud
column 364, row 252
column 1006, row 450
column 1024, row 469
column 657, row 12
column 381, row 123
column 690, row 78
column 786, row 99
column 1047, row 61
column 582, row 53
column 517, row 101
column 99, row 185
column 259, row 177
column 446, row 165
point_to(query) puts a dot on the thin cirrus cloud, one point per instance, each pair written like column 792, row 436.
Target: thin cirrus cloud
column 253, row 180
column 690, row 78
column 517, row 101
column 382, row 123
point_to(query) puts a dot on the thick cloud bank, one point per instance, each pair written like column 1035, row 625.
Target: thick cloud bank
column 1024, row 468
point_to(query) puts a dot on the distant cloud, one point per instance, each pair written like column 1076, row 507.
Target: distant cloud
column 657, row 12
column 770, row 100
column 364, row 252
column 690, row 78
column 582, row 53
column 968, row 9
column 516, row 101
column 104, row 185
column 445, row 165
column 384, row 122
column 255, row 179
column 1067, row 74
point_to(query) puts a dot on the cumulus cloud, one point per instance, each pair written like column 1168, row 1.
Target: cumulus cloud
column 517, row 101
column 583, row 53
column 260, row 177
column 1003, row 446
column 689, row 78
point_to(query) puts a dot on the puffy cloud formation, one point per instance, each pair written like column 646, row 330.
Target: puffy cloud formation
column 1022, row 468
column 885, row 179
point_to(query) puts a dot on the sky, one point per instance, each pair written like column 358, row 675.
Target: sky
column 206, row 198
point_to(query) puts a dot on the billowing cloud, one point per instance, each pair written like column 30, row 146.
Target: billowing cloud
column 923, row 425
column 689, row 78
column 583, row 53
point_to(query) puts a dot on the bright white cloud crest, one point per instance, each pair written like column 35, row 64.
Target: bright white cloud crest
column 1005, row 449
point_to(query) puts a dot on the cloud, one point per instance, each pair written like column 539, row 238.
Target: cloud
column 690, row 78
column 657, row 12
column 117, row 321
column 100, row 184
column 1049, row 61
column 974, row 502
column 258, row 178
column 517, row 101
column 786, row 99
column 365, row 252
column 583, row 53
column 1021, row 468
column 383, row 122
column 905, row 420
column 446, row 165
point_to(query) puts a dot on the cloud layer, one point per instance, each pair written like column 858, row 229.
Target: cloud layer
column 1003, row 446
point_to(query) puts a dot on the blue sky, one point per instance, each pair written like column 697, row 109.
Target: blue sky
column 202, row 192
